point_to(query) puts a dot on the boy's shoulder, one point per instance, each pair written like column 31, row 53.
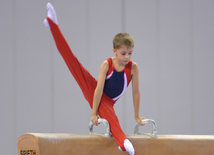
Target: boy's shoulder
column 105, row 66
column 108, row 62
column 134, row 64
column 134, row 67
column 105, row 62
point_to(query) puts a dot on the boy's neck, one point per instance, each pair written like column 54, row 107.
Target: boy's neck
column 117, row 65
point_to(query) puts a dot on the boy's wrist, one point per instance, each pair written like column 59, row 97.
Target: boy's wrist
column 137, row 116
column 93, row 113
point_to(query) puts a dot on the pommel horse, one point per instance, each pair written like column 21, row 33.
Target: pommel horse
column 104, row 144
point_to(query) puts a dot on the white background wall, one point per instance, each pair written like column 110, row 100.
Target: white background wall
column 173, row 49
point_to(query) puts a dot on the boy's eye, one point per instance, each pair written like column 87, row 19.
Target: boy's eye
column 123, row 53
column 130, row 53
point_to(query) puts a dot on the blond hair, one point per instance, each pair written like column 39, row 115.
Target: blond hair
column 123, row 39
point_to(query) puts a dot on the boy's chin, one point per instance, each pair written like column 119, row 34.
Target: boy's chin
column 125, row 62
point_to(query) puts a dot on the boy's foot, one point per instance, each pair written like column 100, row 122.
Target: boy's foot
column 128, row 146
column 120, row 148
column 51, row 15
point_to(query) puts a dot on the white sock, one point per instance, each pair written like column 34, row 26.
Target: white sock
column 120, row 148
column 51, row 15
column 129, row 147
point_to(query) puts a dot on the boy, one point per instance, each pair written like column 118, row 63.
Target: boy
column 114, row 77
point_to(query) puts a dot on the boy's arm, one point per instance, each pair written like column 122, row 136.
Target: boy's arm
column 99, row 91
column 136, row 92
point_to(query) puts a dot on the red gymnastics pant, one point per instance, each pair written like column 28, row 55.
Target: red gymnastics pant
column 88, row 84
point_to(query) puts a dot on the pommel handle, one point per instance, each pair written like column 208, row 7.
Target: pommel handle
column 154, row 128
column 106, row 125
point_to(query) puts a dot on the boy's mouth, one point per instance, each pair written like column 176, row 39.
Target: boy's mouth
column 126, row 62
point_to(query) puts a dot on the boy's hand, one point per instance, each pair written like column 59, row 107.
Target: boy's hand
column 94, row 119
column 139, row 119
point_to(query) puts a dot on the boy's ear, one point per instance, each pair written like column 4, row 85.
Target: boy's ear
column 114, row 51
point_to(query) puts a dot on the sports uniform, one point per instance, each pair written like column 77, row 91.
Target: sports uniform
column 117, row 82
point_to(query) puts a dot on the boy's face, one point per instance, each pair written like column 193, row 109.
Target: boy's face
column 123, row 54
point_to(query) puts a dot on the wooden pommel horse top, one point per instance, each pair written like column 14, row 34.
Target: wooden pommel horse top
column 94, row 144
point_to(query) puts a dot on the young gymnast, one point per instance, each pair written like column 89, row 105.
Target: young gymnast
column 114, row 77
